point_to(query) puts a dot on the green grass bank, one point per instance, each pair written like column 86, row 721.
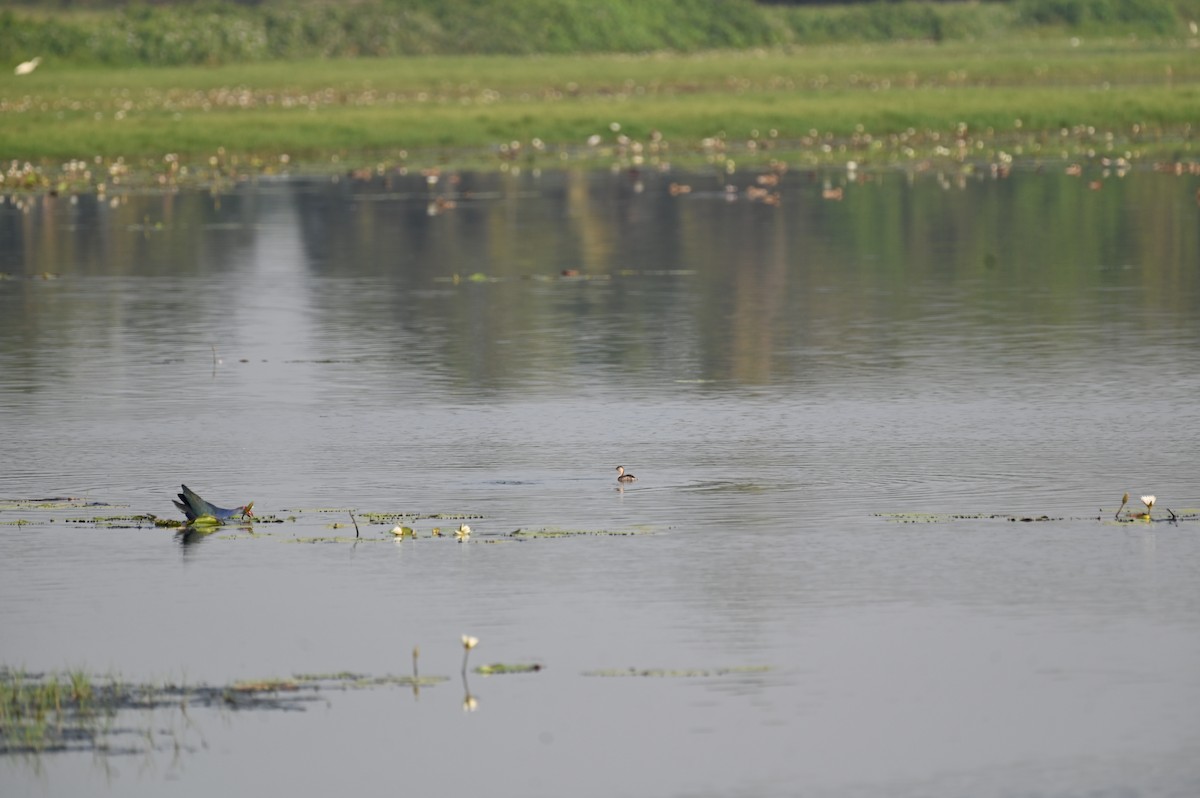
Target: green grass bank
column 177, row 33
column 1047, row 93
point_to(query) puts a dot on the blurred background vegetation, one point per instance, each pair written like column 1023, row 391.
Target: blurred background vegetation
column 177, row 32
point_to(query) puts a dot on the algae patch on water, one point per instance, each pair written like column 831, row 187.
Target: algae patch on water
column 51, row 503
column 501, row 668
column 560, row 532
column 945, row 518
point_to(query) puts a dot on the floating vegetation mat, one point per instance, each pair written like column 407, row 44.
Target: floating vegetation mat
column 558, row 532
column 501, row 668
column 313, row 525
column 43, row 713
column 1164, row 516
column 46, row 713
column 943, row 518
column 51, row 503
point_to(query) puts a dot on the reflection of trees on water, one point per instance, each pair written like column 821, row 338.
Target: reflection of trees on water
column 63, row 254
column 692, row 287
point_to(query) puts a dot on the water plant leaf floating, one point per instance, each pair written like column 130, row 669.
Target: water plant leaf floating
column 942, row 518
column 558, row 532
column 499, row 668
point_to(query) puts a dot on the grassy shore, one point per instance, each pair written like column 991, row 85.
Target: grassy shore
column 882, row 104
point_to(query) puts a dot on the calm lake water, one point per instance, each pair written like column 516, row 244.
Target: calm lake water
column 834, row 409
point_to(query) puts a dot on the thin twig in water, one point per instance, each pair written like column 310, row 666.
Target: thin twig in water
column 1173, row 516
column 356, row 534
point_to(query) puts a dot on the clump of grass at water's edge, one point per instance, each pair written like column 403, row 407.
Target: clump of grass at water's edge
column 45, row 712
column 76, row 711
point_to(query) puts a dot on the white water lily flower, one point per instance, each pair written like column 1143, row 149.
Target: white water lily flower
column 1149, row 502
column 463, row 532
column 468, row 644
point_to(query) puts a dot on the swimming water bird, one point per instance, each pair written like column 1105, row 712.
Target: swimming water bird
column 623, row 477
column 25, row 67
column 194, row 507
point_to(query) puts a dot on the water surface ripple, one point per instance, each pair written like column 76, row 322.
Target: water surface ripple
column 839, row 414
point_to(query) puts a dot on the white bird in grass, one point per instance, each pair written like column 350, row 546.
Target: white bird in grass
column 25, row 67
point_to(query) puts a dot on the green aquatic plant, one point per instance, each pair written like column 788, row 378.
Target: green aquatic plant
column 336, row 676
column 119, row 521
column 943, row 518
column 928, row 518
column 73, row 711
column 559, row 532
column 500, row 668
column 1146, row 515
column 1124, row 501
column 386, row 518
column 52, row 503
column 49, row 712
column 272, row 685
